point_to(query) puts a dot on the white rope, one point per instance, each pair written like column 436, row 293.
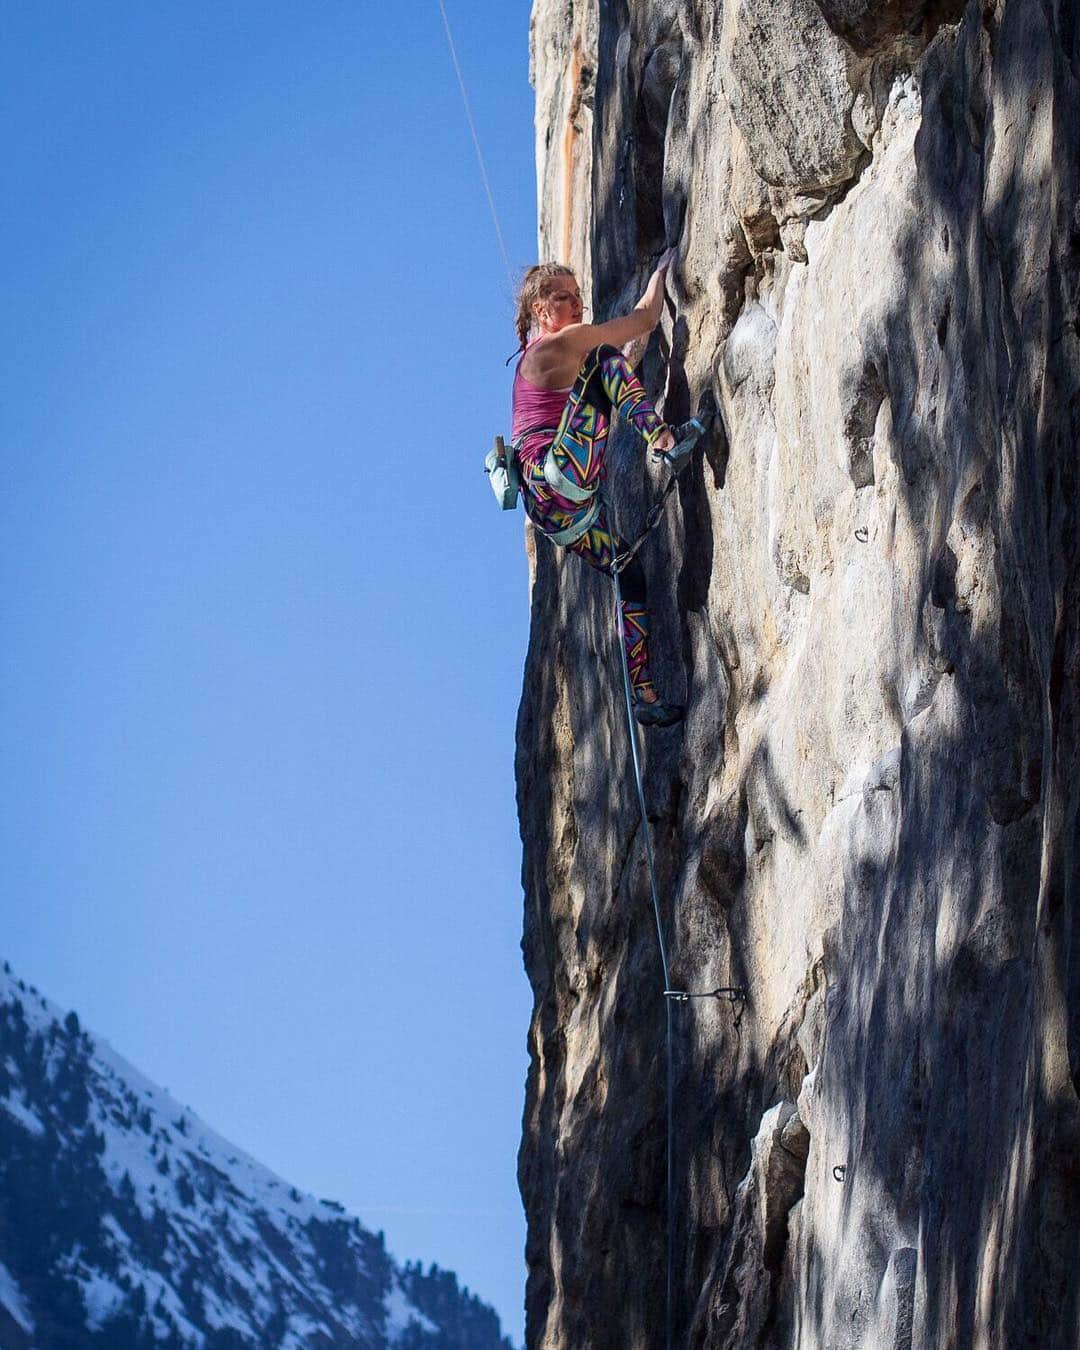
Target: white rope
column 476, row 143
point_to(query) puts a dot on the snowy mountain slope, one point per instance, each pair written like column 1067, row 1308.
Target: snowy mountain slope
column 126, row 1223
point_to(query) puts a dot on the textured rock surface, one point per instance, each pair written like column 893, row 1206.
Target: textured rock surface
column 870, row 817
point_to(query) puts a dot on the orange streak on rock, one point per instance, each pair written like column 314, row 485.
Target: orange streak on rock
column 569, row 148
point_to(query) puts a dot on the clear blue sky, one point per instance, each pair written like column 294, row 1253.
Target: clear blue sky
column 263, row 623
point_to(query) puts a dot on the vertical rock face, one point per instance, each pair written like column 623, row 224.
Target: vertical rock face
column 871, row 600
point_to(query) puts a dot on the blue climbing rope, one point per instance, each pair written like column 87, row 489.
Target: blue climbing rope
column 669, row 994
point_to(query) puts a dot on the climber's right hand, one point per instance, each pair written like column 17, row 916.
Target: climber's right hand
column 663, row 441
column 667, row 258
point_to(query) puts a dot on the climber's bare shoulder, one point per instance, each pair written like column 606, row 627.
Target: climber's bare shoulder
column 554, row 362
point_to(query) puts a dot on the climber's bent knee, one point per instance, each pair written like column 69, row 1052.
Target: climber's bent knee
column 594, row 390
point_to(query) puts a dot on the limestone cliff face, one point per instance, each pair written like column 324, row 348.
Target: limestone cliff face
column 870, row 601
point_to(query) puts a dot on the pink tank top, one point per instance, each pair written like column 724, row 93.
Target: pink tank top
column 533, row 407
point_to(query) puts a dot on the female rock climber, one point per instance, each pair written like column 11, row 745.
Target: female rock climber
column 569, row 377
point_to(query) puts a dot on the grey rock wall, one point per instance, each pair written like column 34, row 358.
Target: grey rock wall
column 871, row 601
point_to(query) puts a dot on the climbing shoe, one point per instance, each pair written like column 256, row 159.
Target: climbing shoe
column 659, row 713
column 689, row 434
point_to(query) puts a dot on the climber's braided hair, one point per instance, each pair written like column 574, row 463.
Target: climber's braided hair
column 537, row 282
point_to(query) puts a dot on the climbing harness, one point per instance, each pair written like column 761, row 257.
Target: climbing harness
column 558, row 482
column 501, row 465
column 573, row 533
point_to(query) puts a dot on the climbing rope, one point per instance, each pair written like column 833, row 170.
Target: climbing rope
column 691, row 432
column 631, row 726
column 652, row 519
column 476, row 143
column 735, row 996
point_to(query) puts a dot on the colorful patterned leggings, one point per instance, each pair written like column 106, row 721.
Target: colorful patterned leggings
column 579, row 445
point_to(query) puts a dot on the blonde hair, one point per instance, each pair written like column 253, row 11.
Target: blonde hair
column 537, row 282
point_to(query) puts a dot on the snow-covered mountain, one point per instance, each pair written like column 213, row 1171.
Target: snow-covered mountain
column 126, row 1223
